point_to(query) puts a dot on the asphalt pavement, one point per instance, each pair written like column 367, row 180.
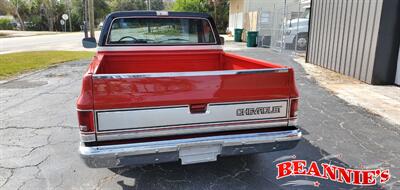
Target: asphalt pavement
column 39, row 141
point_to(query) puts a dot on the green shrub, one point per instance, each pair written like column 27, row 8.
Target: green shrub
column 6, row 24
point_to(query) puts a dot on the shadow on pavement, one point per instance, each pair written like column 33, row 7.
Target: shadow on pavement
column 239, row 172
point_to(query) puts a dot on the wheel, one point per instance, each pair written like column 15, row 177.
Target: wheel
column 302, row 41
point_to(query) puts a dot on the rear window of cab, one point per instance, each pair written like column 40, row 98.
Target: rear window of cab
column 160, row 31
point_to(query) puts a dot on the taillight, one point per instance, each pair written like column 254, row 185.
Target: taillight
column 86, row 121
column 294, row 105
column 85, row 99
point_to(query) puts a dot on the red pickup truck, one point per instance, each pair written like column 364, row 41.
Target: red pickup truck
column 161, row 89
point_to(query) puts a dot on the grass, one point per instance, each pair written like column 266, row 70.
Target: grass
column 171, row 32
column 16, row 63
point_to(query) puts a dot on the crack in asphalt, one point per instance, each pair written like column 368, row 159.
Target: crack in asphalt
column 36, row 176
column 38, row 95
column 243, row 169
column 38, row 128
column 12, row 169
column 106, row 179
column 7, row 178
column 64, row 102
column 27, row 166
column 37, row 147
column 61, row 182
column 360, row 142
column 32, row 149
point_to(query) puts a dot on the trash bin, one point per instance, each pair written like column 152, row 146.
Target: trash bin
column 252, row 38
column 238, row 34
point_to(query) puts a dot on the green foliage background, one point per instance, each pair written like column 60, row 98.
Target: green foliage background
column 45, row 15
column 218, row 9
column 5, row 24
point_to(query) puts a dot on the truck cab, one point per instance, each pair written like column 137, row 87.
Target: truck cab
column 161, row 89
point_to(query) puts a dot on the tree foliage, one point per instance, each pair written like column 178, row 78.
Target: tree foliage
column 127, row 5
column 191, row 6
column 218, row 9
column 14, row 8
column 157, row 5
column 46, row 14
column 5, row 24
column 4, row 7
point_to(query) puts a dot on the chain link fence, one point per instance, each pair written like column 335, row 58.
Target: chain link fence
column 284, row 26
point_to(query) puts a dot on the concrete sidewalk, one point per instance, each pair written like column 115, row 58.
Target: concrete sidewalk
column 16, row 33
column 381, row 100
column 61, row 41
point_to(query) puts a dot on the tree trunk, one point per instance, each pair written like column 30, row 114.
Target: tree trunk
column 215, row 3
column 50, row 21
column 21, row 22
column 49, row 13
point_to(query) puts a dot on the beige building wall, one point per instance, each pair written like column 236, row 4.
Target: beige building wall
column 236, row 10
column 259, row 15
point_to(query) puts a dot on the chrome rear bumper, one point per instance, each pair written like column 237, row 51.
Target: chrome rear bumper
column 192, row 150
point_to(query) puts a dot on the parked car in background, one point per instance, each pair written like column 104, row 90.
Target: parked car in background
column 296, row 30
column 100, row 26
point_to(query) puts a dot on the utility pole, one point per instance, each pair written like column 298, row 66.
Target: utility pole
column 148, row 5
column 85, row 18
column 284, row 25
column 69, row 14
column 91, row 18
column 215, row 11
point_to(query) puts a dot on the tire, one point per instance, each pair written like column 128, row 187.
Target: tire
column 302, row 41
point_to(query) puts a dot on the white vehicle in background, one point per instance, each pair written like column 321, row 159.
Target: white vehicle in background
column 297, row 30
column 100, row 26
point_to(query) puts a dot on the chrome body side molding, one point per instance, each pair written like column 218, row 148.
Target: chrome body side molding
column 188, row 74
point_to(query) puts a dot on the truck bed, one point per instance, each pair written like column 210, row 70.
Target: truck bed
column 160, row 62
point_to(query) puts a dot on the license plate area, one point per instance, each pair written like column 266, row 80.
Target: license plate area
column 199, row 153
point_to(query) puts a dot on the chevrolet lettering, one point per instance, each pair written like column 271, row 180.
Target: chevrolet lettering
column 258, row 111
